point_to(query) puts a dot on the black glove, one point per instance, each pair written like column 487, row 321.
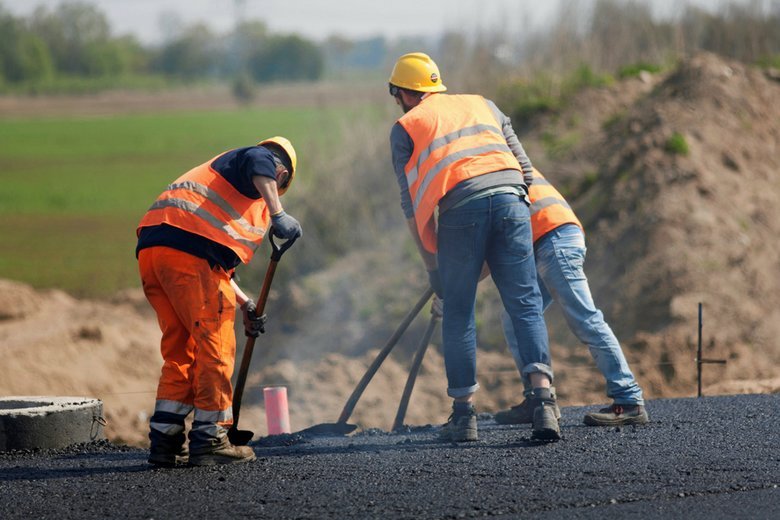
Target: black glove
column 435, row 280
column 285, row 226
column 254, row 325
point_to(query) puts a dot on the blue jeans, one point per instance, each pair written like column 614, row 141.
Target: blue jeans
column 560, row 255
column 496, row 230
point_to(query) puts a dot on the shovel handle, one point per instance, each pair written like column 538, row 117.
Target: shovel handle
column 413, row 371
column 249, row 347
column 349, row 407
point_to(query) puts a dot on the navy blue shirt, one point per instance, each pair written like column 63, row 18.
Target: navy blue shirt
column 238, row 167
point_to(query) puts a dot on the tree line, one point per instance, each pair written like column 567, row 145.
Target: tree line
column 74, row 40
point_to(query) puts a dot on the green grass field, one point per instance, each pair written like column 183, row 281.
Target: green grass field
column 73, row 189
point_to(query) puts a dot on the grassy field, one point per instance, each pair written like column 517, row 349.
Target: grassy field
column 73, row 189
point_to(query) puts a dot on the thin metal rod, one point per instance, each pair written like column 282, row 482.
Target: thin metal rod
column 698, row 354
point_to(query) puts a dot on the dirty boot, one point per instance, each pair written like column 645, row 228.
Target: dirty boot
column 618, row 415
column 167, row 450
column 523, row 413
column 220, row 453
column 545, row 424
column 462, row 424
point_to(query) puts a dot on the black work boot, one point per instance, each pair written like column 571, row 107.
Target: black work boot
column 222, row 452
column 462, row 424
column 618, row 415
column 545, row 424
column 523, row 413
column 167, row 450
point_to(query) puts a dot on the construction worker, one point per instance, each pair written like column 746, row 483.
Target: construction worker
column 190, row 241
column 559, row 249
column 458, row 156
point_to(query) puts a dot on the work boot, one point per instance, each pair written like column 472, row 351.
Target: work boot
column 523, row 413
column 545, row 423
column 167, row 450
column 617, row 415
column 461, row 425
column 220, row 453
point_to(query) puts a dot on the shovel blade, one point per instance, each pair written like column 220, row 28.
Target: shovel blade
column 239, row 437
column 337, row 428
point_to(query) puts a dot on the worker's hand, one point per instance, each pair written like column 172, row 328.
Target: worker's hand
column 285, row 226
column 435, row 280
column 254, row 325
column 437, row 307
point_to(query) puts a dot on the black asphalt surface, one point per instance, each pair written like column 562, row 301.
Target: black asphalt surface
column 706, row 458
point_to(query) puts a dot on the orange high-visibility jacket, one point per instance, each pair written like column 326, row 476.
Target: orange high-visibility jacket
column 549, row 209
column 456, row 137
column 202, row 202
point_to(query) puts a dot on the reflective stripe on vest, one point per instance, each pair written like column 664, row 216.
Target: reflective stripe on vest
column 549, row 209
column 202, row 202
column 456, row 137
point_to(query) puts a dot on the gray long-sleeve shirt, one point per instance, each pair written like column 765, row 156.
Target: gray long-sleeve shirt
column 402, row 146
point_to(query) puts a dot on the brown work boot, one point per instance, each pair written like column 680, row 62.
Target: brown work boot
column 617, row 415
column 545, row 424
column 223, row 453
column 523, row 413
column 167, row 450
column 460, row 427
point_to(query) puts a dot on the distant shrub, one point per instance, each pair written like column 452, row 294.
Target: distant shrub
column 769, row 61
column 547, row 94
column 677, row 144
column 633, row 70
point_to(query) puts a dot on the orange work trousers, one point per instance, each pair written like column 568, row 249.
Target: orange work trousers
column 195, row 306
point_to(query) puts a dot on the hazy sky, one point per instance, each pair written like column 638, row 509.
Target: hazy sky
column 320, row 18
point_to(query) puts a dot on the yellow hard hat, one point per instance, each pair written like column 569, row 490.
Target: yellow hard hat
column 417, row 71
column 286, row 146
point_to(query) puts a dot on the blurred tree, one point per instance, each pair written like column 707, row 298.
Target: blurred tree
column 193, row 54
column 23, row 56
column 286, row 58
column 74, row 32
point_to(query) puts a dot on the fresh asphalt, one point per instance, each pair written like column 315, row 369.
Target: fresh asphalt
column 707, row 458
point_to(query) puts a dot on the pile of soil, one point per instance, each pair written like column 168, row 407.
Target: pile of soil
column 666, row 229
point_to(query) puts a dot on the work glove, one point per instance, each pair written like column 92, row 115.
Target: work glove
column 254, row 325
column 435, row 280
column 285, row 226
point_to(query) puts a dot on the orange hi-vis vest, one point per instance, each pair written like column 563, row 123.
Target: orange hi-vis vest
column 202, row 202
column 456, row 137
column 549, row 209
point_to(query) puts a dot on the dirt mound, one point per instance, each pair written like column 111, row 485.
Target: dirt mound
column 686, row 209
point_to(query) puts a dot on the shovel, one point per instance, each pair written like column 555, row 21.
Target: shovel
column 413, row 371
column 341, row 427
column 242, row 437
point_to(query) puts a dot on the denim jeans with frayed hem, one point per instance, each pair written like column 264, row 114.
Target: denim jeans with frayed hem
column 497, row 230
column 560, row 255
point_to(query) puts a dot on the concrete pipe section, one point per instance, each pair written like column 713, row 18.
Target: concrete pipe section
column 43, row 422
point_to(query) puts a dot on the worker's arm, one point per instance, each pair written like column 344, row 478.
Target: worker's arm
column 514, row 143
column 241, row 296
column 284, row 225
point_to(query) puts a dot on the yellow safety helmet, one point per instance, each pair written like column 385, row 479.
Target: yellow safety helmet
column 417, row 71
column 286, row 146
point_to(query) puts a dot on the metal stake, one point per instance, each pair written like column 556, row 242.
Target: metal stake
column 699, row 360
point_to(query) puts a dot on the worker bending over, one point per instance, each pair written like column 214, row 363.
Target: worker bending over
column 559, row 249
column 189, row 243
column 458, row 156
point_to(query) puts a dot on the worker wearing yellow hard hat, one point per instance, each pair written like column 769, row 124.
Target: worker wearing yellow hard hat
column 463, row 178
column 200, row 228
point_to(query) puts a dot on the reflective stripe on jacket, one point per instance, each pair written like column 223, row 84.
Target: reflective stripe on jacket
column 202, row 202
column 549, row 209
column 456, row 137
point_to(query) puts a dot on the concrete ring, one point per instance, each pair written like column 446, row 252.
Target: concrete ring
column 44, row 422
